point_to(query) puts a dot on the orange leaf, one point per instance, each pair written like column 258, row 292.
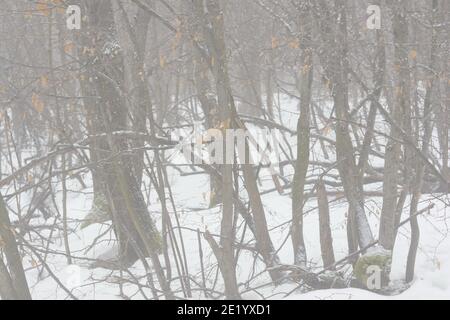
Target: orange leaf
column 162, row 61
column 68, row 47
column 275, row 42
column 294, row 44
column 44, row 81
column 43, row 7
column 306, row 69
column 37, row 103
column 28, row 14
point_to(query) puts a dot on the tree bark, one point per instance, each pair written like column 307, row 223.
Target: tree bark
column 9, row 245
column 326, row 238
column 303, row 143
column 392, row 158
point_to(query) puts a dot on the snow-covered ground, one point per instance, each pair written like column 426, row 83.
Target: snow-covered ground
column 432, row 280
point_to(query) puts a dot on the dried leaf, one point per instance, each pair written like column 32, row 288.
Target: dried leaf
column 44, row 81
column 68, row 47
column 326, row 130
column 37, row 103
column 226, row 124
column 162, row 61
column 294, row 44
column 275, row 42
column 306, row 69
column 43, row 7
column 28, row 14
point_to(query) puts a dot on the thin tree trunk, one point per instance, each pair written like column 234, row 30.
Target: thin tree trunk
column 301, row 165
column 392, row 158
column 7, row 291
column 12, row 254
column 420, row 166
column 326, row 238
column 336, row 67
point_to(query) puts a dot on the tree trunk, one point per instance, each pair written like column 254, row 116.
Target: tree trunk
column 135, row 230
column 326, row 239
column 303, row 145
column 393, row 148
column 9, row 246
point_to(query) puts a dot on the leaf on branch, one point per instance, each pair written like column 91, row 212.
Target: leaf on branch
column 43, row 7
column 37, row 103
column 60, row 8
column 68, row 47
column 294, row 44
column 306, row 68
column 326, row 130
column 162, row 61
column 226, row 124
column 44, row 81
column 275, row 42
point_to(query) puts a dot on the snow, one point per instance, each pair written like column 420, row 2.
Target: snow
column 432, row 280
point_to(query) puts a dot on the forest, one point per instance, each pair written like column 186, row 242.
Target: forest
column 224, row 149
